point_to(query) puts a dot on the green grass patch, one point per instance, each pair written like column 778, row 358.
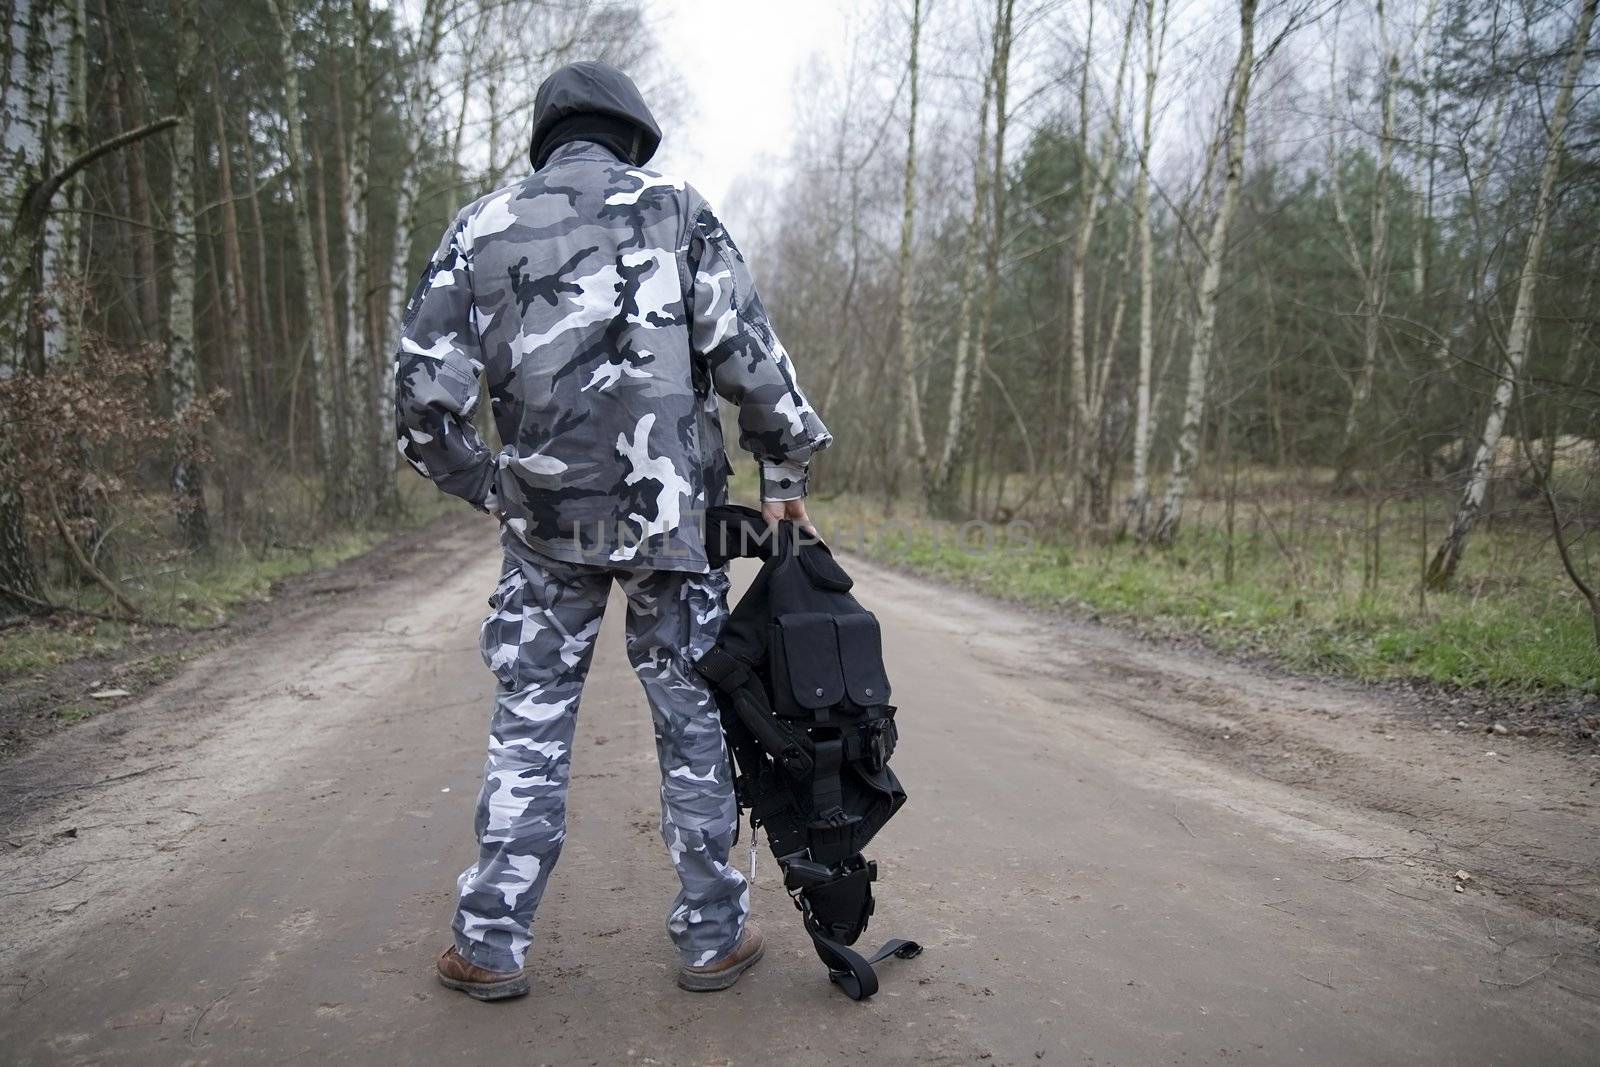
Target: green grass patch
column 1306, row 589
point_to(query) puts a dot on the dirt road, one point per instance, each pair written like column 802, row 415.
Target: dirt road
column 1114, row 853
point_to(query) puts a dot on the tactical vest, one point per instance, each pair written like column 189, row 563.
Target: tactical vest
column 804, row 700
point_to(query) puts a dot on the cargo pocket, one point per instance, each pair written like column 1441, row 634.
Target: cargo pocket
column 808, row 674
column 500, row 636
column 861, row 656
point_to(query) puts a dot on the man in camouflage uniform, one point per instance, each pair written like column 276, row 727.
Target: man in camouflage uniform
column 609, row 309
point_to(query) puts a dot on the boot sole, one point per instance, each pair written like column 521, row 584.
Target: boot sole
column 511, row 987
column 710, row 983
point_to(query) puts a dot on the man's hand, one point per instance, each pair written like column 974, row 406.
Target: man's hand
column 775, row 511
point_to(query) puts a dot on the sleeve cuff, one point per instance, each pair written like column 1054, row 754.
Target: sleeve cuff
column 783, row 481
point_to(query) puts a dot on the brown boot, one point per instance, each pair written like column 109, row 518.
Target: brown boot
column 720, row 974
column 478, row 983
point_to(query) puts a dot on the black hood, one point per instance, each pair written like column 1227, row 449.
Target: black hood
column 592, row 101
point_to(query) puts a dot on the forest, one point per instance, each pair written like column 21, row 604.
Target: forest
column 1272, row 319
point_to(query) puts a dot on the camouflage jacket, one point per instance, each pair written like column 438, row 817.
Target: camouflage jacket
column 609, row 309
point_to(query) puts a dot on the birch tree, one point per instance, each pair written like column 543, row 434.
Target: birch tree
column 1001, row 67
column 421, row 99
column 1089, row 377
column 910, row 445
column 359, row 483
column 23, row 128
column 943, row 476
column 59, row 319
column 1446, row 560
column 1187, row 452
column 1139, row 498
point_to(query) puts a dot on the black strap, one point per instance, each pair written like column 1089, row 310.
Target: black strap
column 849, row 969
column 827, row 791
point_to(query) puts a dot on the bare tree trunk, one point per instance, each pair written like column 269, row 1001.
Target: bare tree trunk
column 1422, row 186
column 311, row 291
column 26, row 130
column 330, row 332
column 1447, row 558
column 1200, row 346
column 1139, row 499
column 61, row 324
column 942, row 484
column 236, row 310
column 359, row 481
column 268, row 341
column 1004, row 10
column 183, row 368
column 1090, row 376
column 421, row 98
column 910, row 448
column 144, row 224
column 1377, row 271
column 22, row 135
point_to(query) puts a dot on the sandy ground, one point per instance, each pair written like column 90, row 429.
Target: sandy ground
column 1115, row 853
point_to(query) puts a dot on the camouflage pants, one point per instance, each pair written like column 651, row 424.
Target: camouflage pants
column 539, row 642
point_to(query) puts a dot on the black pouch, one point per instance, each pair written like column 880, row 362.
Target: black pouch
column 807, row 672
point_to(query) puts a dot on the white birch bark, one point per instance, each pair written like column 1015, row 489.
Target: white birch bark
column 59, row 311
column 944, row 474
column 24, row 125
column 22, row 136
column 1089, row 378
column 421, row 96
column 1442, row 568
column 910, row 444
column 359, row 482
column 1188, row 450
column 1139, row 498
column 1004, row 12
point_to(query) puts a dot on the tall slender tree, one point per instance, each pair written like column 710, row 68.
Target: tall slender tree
column 1374, row 274
column 942, row 479
column 311, row 291
column 910, row 453
column 183, row 367
column 420, row 101
column 1187, row 452
column 1139, row 498
column 1091, row 375
column 359, row 482
column 1447, row 558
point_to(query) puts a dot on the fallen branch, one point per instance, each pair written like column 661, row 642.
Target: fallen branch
column 49, row 607
column 85, row 564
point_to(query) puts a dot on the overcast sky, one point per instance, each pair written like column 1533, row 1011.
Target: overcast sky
column 737, row 61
